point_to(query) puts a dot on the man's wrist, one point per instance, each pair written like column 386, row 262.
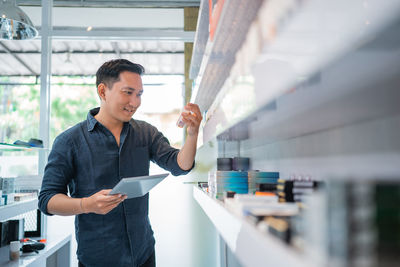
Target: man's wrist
column 82, row 203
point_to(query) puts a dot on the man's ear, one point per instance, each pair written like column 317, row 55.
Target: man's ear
column 101, row 90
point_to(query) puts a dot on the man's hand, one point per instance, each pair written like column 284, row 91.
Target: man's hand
column 192, row 119
column 101, row 202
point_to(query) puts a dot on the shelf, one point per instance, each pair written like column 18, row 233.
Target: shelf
column 300, row 91
column 200, row 40
column 12, row 147
column 17, row 208
column 59, row 244
column 218, row 56
column 249, row 245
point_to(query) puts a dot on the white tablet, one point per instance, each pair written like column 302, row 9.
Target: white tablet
column 137, row 186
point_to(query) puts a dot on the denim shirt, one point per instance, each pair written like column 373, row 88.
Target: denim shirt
column 86, row 159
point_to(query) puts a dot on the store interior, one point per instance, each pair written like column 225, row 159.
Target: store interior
column 298, row 151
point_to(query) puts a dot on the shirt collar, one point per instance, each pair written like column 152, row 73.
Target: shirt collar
column 91, row 121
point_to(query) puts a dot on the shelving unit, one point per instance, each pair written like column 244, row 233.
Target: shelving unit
column 12, row 147
column 251, row 247
column 17, row 208
column 56, row 253
column 301, row 58
column 306, row 88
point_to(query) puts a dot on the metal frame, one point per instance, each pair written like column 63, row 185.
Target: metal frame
column 45, row 75
column 118, row 4
column 73, row 33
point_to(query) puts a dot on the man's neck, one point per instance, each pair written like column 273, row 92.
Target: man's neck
column 111, row 124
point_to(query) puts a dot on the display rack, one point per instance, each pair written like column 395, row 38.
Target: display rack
column 12, row 147
column 313, row 85
column 17, row 208
column 56, row 253
column 250, row 246
column 294, row 57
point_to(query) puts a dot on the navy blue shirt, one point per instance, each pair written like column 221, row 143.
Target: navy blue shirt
column 86, row 159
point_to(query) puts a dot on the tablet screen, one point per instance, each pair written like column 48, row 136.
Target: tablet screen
column 137, row 186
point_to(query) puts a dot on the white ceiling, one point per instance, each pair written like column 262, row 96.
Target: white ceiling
column 83, row 57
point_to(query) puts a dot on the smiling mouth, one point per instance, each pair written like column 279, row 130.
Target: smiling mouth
column 129, row 110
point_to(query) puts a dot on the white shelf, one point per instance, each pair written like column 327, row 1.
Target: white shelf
column 59, row 244
column 250, row 246
column 326, row 55
column 12, row 147
column 17, row 208
column 218, row 58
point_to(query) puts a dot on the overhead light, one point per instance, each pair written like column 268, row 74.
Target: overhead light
column 14, row 23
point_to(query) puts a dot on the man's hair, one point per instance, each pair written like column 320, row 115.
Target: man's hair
column 109, row 72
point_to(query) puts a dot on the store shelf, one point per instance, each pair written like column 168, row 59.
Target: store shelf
column 56, row 244
column 332, row 98
column 12, row 147
column 17, row 208
column 218, row 56
column 250, row 246
column 324, row 71
column 200, row 40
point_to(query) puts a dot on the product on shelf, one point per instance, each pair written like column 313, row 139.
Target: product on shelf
column 295, row 190
column 222, row 181
column 355, row 223
column 262, row 181
column 240, row 164
column 224, row 164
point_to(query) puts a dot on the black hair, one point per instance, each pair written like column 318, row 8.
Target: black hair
column 109, row 72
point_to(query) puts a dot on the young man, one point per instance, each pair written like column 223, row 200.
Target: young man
column 91, row 157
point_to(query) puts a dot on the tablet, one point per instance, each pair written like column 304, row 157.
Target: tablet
column 137, row 186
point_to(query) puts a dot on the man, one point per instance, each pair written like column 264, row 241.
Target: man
column 91, row 157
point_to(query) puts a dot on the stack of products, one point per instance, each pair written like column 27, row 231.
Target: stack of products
column 295, row 190
column 387, row 222
column 229, row 181
column 355, row 223
column 262, row 181
column 240, row 204
column 233, row 164
column 7, row 187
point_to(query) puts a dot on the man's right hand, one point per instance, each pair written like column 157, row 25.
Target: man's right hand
column 101, row 202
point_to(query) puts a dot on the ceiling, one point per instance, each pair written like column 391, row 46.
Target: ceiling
column 117, row 3
column 85, row 57
column 146, row 32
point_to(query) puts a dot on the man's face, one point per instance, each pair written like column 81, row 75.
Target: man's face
column 124, row 98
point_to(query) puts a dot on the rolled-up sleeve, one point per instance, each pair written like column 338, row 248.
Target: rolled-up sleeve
column 164, row 155
column 58, row 172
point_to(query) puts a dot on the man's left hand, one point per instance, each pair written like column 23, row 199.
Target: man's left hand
column 192, row 119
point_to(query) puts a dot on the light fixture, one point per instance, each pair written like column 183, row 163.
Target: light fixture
column 14, row 23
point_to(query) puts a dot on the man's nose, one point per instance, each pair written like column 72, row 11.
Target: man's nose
column 134, row 101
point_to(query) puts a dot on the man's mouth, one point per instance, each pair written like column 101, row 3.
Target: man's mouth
column 129, row 110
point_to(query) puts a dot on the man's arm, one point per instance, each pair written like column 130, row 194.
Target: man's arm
column 188, row 152
column 100, row 203
column 53, row 198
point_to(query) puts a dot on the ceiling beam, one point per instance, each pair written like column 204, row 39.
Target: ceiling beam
column 78, row 33
column 8, row 51
column 33, row 52
column 115, row 4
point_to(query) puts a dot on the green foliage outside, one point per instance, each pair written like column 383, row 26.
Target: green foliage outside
column 71, row 98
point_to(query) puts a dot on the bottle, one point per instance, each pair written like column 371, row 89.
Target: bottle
column 180, row 122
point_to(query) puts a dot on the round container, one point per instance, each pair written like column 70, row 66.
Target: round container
column 224, row 164
column 240, row 164
column 14, row 250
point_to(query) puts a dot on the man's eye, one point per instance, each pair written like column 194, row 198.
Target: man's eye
column 128, row 92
